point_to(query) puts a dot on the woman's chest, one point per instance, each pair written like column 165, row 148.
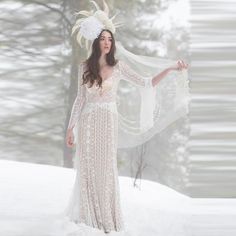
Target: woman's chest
column 109, row 86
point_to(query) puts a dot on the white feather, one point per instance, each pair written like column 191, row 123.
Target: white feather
column 96, row 5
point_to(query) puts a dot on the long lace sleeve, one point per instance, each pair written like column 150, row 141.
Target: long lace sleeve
column 130, row 75
column 79, row 100
column 147, row 92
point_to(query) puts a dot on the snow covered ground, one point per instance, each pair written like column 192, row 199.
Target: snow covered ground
column 33, row 198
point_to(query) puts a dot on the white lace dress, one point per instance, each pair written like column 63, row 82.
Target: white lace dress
column 95, row 200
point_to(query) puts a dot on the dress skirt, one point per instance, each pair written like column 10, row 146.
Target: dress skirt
column 95, row 200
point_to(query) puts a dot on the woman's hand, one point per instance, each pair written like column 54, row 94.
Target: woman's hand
column 69, row 138
column 180, row 65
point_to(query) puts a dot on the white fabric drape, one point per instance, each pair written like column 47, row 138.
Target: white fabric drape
column 146, row 111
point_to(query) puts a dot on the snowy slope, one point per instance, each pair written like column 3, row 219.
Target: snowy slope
column 33, row 198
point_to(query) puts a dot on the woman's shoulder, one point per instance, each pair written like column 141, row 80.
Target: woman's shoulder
column 119, row 62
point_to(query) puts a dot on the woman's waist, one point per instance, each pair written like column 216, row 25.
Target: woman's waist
column 110, row 105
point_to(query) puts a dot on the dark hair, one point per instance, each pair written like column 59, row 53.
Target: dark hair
column 92, row 66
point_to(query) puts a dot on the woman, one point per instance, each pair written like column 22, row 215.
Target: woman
column 95, row 107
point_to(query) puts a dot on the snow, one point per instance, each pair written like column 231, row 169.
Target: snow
column 33, row 198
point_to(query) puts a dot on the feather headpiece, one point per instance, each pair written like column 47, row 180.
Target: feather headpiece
column 92, row 23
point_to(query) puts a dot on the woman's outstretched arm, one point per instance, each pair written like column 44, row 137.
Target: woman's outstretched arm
column 130, row 75
column 180, row 66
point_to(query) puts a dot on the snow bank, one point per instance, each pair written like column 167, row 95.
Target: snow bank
column 33, row 198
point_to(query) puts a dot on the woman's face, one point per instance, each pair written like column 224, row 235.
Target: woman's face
column 105, row 42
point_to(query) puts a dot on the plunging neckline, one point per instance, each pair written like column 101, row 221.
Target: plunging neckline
column 108, row 78
column 112, row 73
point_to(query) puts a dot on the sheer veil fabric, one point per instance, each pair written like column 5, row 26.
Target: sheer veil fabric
column 146, row 111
